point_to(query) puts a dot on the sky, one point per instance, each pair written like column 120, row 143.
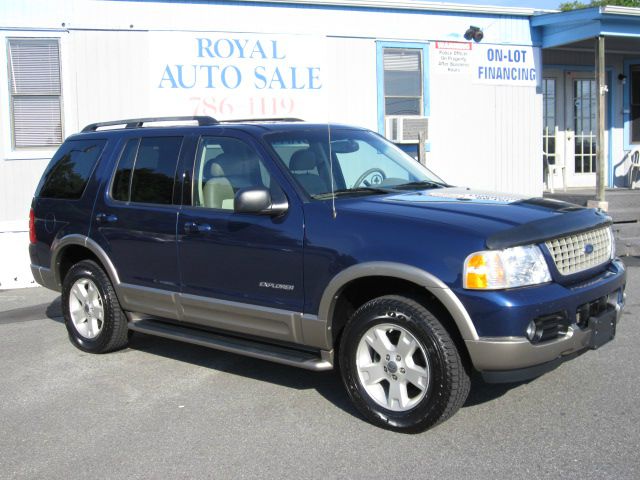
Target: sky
column 552, row 4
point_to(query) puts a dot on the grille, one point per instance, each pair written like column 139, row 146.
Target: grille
column 570, row 253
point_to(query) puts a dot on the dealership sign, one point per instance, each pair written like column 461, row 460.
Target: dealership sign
column 238, row 75
column 489, row 64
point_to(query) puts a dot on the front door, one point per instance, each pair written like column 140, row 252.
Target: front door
column 581, row 130
column 569, row 129
column 239, row 272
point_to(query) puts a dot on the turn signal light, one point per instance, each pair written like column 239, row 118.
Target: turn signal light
column 477, row 272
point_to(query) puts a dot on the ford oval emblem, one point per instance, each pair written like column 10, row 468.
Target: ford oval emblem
column 588, row 249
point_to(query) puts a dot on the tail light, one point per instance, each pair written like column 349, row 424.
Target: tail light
column 32, row 227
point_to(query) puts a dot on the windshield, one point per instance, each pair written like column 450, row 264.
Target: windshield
column 362, row 163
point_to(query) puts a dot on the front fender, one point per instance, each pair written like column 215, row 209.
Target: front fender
column 319, row 332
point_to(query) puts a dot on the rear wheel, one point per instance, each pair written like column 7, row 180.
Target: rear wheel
column 401, row 367
column 92, row 314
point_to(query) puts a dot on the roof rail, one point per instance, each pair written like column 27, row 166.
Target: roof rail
column 138, row 122
column 254, row 120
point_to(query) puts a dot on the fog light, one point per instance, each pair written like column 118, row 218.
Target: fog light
column 531, row 330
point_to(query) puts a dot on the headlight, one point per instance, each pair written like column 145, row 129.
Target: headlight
column 512, row 267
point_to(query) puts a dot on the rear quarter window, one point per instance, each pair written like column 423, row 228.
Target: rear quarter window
column 70, row 169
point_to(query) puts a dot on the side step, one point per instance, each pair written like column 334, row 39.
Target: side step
column 249, row 348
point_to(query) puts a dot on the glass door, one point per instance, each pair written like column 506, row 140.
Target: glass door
column 581, row 134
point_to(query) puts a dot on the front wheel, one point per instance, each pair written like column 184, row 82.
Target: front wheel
column 400, row 366
column 92, row 313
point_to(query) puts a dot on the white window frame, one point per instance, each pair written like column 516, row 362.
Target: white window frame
column 13, row 95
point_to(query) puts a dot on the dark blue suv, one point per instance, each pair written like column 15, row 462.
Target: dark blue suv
column 316, row 245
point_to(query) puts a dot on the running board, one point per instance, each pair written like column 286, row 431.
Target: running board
column 249, row 348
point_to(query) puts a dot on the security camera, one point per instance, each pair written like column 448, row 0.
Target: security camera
column 474, row 33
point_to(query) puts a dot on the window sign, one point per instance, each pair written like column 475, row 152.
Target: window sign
column 453, row 57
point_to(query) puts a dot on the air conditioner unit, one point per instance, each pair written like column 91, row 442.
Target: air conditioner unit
column 405, row 129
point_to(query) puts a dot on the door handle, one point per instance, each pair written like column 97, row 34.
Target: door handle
column 105, row 218
column 193, row 227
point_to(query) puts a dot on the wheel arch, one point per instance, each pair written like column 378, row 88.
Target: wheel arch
column 73, row 248
column 400, row 275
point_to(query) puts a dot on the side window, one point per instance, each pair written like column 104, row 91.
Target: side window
column 122, row 180
column 70, row 169
column 146, row 170
column 223, row 166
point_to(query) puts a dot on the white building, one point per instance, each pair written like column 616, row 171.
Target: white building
column 389, row 65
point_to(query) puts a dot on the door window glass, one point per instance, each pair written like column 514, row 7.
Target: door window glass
column 223, row 166
column 549, row 120
column 122, row 180
column 584, row 119
column 153, row 161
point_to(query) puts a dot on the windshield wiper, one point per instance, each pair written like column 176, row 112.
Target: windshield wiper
column 422, row 184
column 352, row 191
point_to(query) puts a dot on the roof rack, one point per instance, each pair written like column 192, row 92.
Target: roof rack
column 255, row 120
column 138, row 122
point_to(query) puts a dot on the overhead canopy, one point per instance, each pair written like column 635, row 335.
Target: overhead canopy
column 572, row 27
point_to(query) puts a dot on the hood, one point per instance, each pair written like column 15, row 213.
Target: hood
column 503, row 219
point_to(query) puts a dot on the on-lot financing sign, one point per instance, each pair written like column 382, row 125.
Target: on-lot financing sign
column 228, row 75
column 489, row 64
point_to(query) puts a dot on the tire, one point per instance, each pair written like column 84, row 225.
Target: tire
column 436, row 382
column 92, row 314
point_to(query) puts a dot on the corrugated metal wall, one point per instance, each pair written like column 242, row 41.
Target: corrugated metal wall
column 486, row 136
column 481, row 135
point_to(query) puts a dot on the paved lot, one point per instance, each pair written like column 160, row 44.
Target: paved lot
column 162, row 409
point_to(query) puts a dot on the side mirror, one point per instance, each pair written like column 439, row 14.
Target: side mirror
column 257, row 200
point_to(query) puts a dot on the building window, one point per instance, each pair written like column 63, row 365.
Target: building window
column 36, row 93
column 402, row 81
column 635, row 103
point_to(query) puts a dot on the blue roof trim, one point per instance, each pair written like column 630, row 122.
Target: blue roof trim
column 569, row 27
column 573, row 16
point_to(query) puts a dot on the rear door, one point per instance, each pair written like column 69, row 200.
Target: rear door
column 240, row 272
column 135, row 223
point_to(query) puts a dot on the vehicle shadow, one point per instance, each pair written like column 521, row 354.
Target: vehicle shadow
column 482, row 392
column 54, row 311
column 327, row 384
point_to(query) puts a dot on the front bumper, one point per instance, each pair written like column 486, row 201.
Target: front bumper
column 515, row 358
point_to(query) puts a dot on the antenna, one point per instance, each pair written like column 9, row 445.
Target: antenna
column 333, row 194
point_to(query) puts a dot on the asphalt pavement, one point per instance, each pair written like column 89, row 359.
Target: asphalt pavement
column 162, row 409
